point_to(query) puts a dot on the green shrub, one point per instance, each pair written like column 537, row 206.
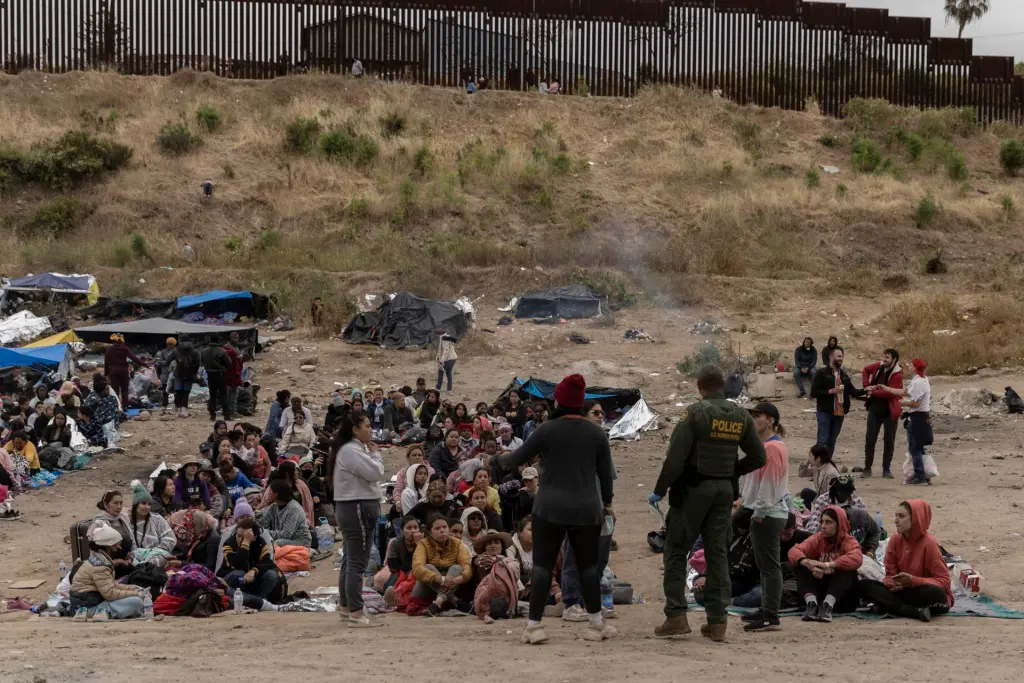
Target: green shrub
column 812, row 178
column 560, row 164
column 1011, row 156
column 708, row 353
column 948, row 123
column 56, row 218
column 392, row 125
column 301, row 134
column 866, row 157
column 367, row 150
column 233, row 243
column 208, row 118
column 873, row 114
column 358, row 208
column 748, row 134
column 926, row 212
column 140, row 248
column 915, row 145
column 956, row 166
column 828, row 141
column 64, row 163
column 269, row 239
column 337, row 145
column 176, row 139
column 1009, row 208
column 841, row 190
column 423, row 161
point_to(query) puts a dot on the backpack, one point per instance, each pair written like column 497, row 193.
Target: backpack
column 201, row 604
column 656, row 539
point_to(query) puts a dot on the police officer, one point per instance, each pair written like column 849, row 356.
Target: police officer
column 700, row 471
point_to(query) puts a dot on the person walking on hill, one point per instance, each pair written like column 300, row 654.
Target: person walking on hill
column 805, row 359
column 832, row 389
column 883, row 382
column 699, row 475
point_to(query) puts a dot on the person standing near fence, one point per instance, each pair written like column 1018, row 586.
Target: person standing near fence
column 446, row 358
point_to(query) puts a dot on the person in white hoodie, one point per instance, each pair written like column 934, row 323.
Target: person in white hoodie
column 357, row 468
column 417, row 477
column 446, row 358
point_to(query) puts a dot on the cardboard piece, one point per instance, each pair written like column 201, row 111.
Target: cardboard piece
column 27, row 585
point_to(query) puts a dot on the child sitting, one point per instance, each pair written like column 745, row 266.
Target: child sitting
column 496, row 595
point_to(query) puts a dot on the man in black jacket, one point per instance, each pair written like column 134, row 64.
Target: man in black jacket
column 217, row 363
column 832, row 388
column 805, row 359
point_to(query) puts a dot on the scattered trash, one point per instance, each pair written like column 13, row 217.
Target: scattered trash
column 511, row 305
column 638, row 335
column 577, row 338
column 708, row 327
column 506, row 320
column 831, row 170
column 945, row 333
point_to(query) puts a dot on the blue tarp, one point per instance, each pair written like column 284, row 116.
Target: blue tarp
column 546, row 390
column 205, row 297
column 39, row 357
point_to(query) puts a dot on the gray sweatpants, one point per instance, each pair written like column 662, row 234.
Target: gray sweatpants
column 357, row 520
column 764, row 537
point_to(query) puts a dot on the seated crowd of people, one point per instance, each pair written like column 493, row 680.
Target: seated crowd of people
column 455, row 531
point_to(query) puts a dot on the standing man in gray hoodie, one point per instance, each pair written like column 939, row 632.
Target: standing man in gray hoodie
column 356, row 468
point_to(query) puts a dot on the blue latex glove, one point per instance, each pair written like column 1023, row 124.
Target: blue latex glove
column 654, row 499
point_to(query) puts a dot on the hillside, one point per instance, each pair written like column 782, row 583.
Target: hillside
column 668, row 198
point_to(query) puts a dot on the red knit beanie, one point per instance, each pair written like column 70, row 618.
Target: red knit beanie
column 570, row 391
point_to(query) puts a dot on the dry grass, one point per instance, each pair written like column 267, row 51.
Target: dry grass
column 954, row 336
column 659, row 191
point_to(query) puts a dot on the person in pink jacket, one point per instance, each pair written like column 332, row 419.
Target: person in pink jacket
column 826, row 567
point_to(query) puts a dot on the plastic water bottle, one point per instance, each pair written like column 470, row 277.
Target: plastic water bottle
column 238, row 601
column 147, row 605
column 878, row 518
column 62, row 569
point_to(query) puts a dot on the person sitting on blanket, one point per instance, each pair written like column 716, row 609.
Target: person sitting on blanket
column 89, row 428
column 415, row 455
column 489, row 551
column 826, row 567
column 823, row 472
column 478, row 499
column 398, row 556
column 917, row 583
column 198, row 540
column 162, row 501
column 417, row 477
column 440, row 565
column 317, row 487
column 862, row 525
column 840, row 493
column 289, row 471
column 110, row 507
column 482, row 482
column 188, row 483
column 154, row 540
column 19, row 461
column 521, row 550
column 743, row 572
column 248, row 562
column 435, row 504
column 220, row 499
column 94, row 593
column 284, row 518
column 260, row 464
column 234, row 479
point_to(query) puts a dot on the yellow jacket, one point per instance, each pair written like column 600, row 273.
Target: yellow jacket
column 442, row 558
column 29, row 453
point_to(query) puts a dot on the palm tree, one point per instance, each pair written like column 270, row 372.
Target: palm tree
column 964, row 12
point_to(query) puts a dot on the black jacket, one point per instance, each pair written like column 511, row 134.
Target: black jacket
column 216, row 359
column 824, row 382
column 442, row 460
column 804, row 357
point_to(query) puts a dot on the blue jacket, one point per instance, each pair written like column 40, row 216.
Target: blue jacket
column 274, row 420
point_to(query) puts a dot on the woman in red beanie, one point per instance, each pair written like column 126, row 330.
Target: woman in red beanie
column 574, row 452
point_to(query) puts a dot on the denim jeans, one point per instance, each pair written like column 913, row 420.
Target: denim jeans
column 829, row 426
column 913, row 444
column 799, row 379
column 448, row 369
column 125, row 608
column 571, row 575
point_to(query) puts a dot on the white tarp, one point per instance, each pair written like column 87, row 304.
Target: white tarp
column 22, row 327
column 639, row 418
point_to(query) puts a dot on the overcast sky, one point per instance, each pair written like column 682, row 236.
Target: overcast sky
column 991, row 33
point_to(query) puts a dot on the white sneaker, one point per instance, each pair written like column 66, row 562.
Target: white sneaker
column 81, row 615
column 365, row 621
column 575, row 613
column 609, row 612
column 102, row 614
column 534, row 635
column 596, row 635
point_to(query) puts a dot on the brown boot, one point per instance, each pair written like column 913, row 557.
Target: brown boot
column 673, row 626
column 715, row 632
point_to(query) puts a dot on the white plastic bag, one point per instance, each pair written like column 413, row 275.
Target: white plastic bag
column 930, row 469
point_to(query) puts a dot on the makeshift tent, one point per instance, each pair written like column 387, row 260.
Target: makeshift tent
column 639, row 418
column 42, row 359
column 574, row 301
column 22, row 327
column 611, row 399
column 65, row 337
column 119, row 309
column 219, row 301
column 77, row 285
column 406, row 320
column 153, row 332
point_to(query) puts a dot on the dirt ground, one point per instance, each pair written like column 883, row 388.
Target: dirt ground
column 976, row 503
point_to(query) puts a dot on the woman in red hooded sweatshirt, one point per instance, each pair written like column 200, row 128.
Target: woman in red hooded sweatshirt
column 917, row 584
column 826, row 567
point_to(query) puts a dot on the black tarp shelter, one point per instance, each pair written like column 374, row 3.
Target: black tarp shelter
column 110, row 308
column 573, row 301
column 406, row 320
column 153, row 332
